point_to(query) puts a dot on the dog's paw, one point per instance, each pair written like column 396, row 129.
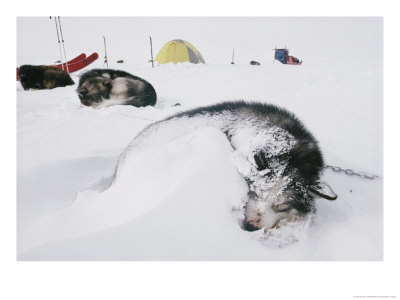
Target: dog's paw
column 286, row 232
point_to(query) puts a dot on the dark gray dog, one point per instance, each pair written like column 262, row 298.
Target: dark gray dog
column 278, row 157
column 104, row 87
column 43, row 77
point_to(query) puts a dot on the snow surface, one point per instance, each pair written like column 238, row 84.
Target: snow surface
column 181, row 200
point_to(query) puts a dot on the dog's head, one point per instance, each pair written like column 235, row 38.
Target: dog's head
column 94, row 90
column 31, row 77
column 281, row 189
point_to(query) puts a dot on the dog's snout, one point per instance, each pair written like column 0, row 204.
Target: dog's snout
column 86, row 102
column 249, row 227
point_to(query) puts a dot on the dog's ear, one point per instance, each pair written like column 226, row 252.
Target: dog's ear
column 107, row 82
column 323, row 190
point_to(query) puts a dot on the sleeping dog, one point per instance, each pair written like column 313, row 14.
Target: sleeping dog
column 277, row 156
column 105, row 87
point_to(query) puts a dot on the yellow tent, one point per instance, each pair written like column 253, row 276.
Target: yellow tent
column 179, row 51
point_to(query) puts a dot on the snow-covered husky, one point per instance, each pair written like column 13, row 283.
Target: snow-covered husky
column 278, row 157
column 105, row 87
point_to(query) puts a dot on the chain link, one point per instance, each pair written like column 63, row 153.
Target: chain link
column 351, row 172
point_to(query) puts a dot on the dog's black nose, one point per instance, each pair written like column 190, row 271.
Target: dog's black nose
column 85, row 102
column 249, row 227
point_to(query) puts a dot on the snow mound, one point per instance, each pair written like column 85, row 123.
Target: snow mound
column 144, row 185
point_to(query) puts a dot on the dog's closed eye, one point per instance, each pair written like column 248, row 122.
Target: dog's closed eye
column 283, row 207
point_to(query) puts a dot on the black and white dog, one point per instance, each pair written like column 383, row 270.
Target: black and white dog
column 278, row 157
column 105, row 87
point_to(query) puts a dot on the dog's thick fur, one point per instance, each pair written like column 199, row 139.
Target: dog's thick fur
column 279, row 158
column 43, row 77
column 105, row 87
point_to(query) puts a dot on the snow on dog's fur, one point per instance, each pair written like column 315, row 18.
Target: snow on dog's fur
column 278, row 157
column 105, row 87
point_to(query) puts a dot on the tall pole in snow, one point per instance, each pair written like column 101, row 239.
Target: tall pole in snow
column 62, row 39
column 59, row 45
column 105, row 52
column 151, row 50
column 233, row 56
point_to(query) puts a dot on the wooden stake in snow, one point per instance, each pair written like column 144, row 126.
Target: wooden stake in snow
column 105, row 52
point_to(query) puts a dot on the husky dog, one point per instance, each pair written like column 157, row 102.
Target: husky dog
column 104, row 87
column 43, row 77
column 278, row 157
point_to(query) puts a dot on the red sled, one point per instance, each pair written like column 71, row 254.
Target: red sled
column 73, row 67
column 293, row 61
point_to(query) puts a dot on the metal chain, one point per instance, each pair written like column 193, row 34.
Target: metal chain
column 351, row 172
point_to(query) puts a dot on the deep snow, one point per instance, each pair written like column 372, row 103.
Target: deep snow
column 181, row 201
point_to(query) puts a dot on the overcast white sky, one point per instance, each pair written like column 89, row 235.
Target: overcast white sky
column 253, row 38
